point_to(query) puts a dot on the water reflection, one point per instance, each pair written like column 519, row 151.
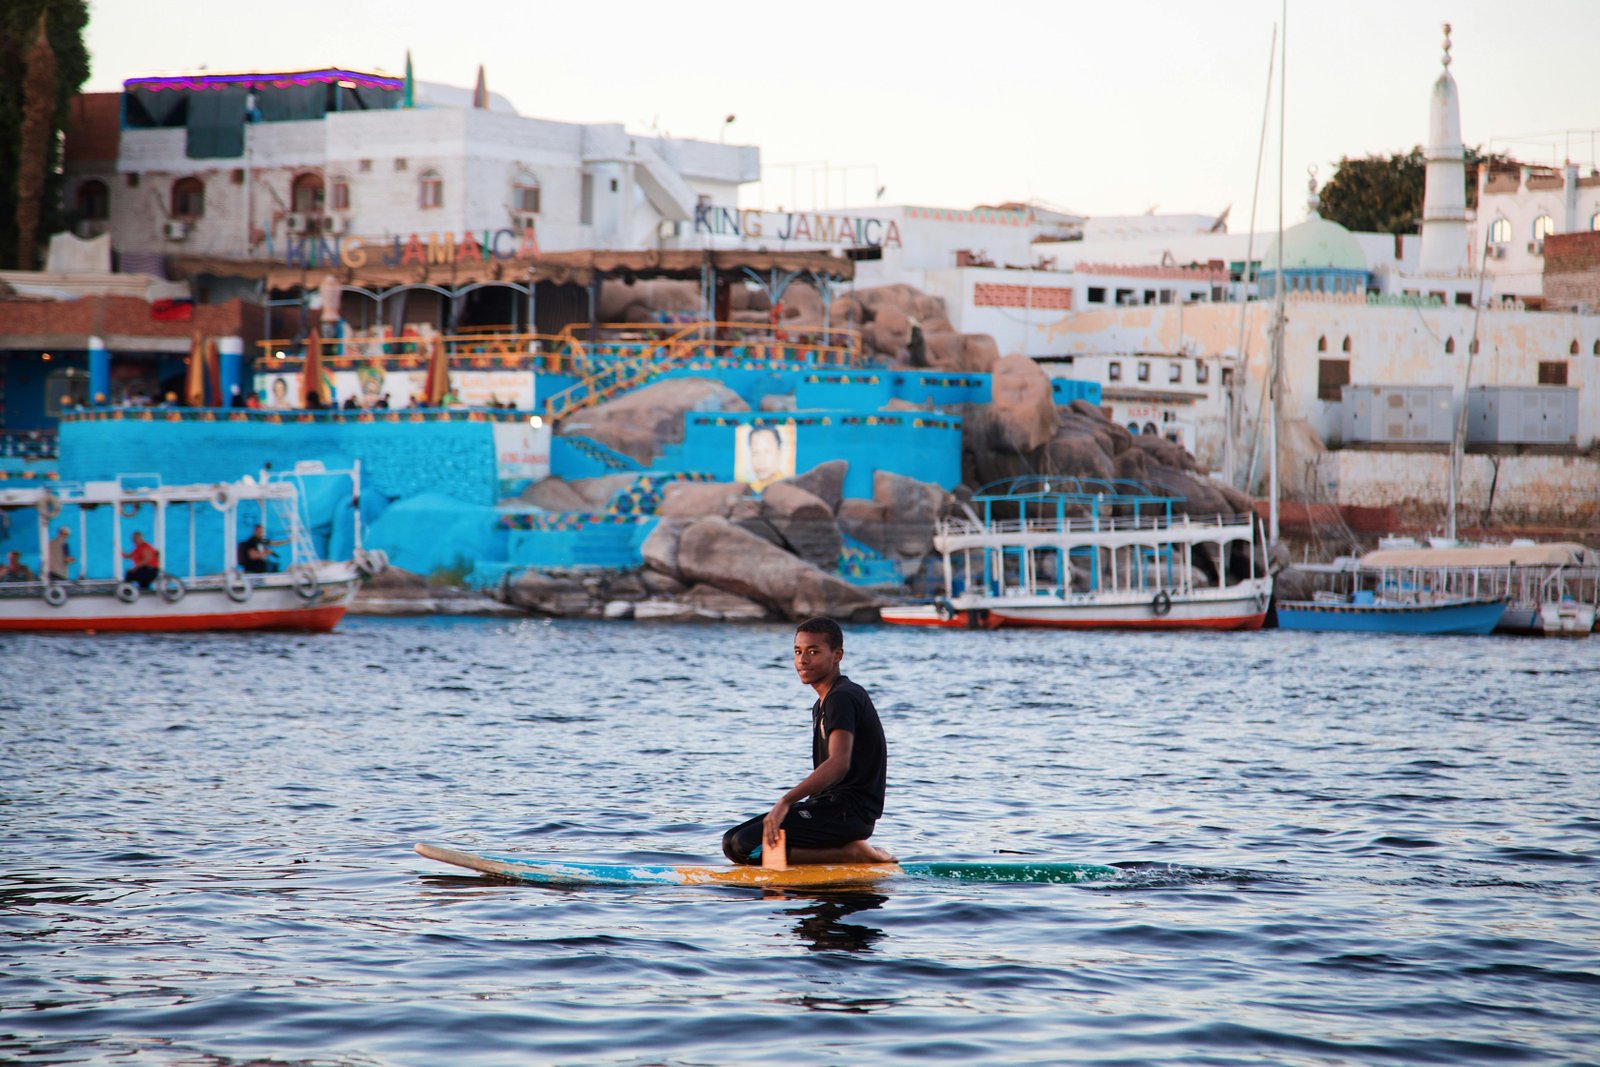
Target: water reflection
column 821, row 926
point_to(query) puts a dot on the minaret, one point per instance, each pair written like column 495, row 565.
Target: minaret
column 1444, row 200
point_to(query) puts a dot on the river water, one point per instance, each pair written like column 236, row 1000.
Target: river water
column 1338, row 849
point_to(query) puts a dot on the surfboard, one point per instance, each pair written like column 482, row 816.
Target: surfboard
column 544, row 871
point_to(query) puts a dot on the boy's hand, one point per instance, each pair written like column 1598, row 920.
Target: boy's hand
column 774, row 822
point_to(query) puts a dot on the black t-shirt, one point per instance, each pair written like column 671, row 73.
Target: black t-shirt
column 248, row 549
column 847, row 707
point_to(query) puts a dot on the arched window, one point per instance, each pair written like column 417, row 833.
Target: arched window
column 339, row 193
column 1346, row 346
column 94, row 200
column 1450, row 346
column 525, row 194
column 1594, row 223
column 1543, row 227
column 1500, row 231
column 431, row 185
column 305, row 194
column 188, row 198
column 1322, row 344
column 1573, row 350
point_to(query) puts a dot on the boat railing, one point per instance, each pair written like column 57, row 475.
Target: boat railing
column 1087, row 525
column 1519, row 584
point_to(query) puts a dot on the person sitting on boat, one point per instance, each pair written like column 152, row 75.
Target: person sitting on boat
column 255, row 554
column 15, row 570
column 828, row 817
column 60, row 556
column 146, row 562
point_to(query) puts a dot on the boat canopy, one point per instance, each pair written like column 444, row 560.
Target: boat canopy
column 1554, row 554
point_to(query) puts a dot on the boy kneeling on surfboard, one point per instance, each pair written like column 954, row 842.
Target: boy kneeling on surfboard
column 828, row 817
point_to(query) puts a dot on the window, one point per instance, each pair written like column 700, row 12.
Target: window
column 432, row 186
column 525, row 194
column 1345, row 347
column 1144, row 371
column 364, row 166
column 1150, row 428
column 1449, row 346
column 586, row 200
column 1149, row 296
column 1113, row 372
column 133, row 181
column 1597, row 348
column 1124, row 297
column 188, row 198
column 1543, row 227
column 1202, row 373
column 1500, row 231
column 1097, row 295
column 1573, row 350
column 94, row 200
column 306, row 194
column 613, row 185
column 1464, row 300
column 1175, row 372
column 236, row 176
column 400, row 164
column 1594, row 223
column 1322, row 344
column 1552, row 374
column 1332, row 376
column 340, row 198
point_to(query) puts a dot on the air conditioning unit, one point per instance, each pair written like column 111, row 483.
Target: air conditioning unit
column 528, row 222
column 175, row 229
column 1497, row 251
column 295, row 222
column 335, row 224
column 1536, row 248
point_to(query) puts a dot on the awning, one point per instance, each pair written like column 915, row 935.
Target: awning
column 1553, row 554
column 576, row 267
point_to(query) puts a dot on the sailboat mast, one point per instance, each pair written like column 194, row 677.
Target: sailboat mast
column 1276, row 370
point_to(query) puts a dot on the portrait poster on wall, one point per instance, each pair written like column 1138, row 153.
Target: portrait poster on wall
column 521, row 455
column 763, row 455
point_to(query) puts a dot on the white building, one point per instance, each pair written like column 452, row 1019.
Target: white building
column 263, row 165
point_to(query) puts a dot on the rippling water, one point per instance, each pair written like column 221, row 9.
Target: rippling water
column 1340, row 849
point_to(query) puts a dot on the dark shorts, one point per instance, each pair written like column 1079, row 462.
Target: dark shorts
column 820, row 822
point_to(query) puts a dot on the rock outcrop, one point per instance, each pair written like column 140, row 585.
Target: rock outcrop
column 637, row 424
column 717, row 552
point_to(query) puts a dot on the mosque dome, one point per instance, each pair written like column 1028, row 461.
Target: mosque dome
column 1317, row 244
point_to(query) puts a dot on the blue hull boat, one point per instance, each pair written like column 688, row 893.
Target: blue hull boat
column 1375, row 616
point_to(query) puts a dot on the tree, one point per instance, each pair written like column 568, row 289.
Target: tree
column 19, row 27
column 1383, row 194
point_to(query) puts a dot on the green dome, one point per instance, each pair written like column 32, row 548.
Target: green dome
column 1316, row 244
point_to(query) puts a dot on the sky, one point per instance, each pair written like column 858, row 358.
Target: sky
column 1106, row 108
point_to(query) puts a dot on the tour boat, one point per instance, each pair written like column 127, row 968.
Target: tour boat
column 1366, row 612
column 197, row 530
column 1081, row 553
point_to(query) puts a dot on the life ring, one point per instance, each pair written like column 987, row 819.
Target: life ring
column 172, row 588
column 222, row 497
column 127, row 592
column 237, row 586
column 55, row 595
column 1162, row 603
column 128, row 508
column 49, row 505
column 305, row 582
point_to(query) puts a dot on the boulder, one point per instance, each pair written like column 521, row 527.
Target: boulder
column 658, row 584
column 549, row 595
column 717, row 552
column 660, row 549
column 599, row 491
column 910, row 509
column 1165, row 452
column 825, row 481
column 639, row 423
column 865, row 521
column 663, row 611
column 1023, row 404
column 960, row 352
column 695, row 500
column 622, row 301
column 1079, row 455
column 713, row 603
column 553, row 494
column 803, row 522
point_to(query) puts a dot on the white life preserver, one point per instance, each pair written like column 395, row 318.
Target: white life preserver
column 55, row 595
column 305, row 581
column 49, row 505
column 129, row 508
column 127, row 592
column 172, row 588
column 222, row 497
column 237, row 586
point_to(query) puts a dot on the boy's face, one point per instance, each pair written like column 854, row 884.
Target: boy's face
column 814, row 659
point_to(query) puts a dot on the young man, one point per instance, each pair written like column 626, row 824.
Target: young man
column 146, row 562
column 828, row 817
column 255, row 552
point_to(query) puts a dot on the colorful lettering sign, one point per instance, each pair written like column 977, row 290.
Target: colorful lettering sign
column 811, row 228
column 422, row 250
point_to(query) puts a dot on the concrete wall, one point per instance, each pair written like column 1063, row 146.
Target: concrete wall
column 1541, row 488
